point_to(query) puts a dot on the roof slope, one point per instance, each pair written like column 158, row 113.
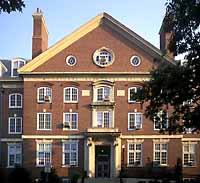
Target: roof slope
column 104, row 19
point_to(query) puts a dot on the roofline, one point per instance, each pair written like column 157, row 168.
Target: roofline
column 82, row 31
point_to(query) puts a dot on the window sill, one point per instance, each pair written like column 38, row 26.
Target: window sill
column 134, row 166
column 133, row 102
column 15, row 107
column 44, row 102
column 44, row 129
column 70, row 102
column 187, row 166
column 69, row 166
column 67, row 129
column 15, row 133
column 134, row 129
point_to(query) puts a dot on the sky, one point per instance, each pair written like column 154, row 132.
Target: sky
column 64, row 16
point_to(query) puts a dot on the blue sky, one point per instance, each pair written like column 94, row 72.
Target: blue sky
column 63, row 16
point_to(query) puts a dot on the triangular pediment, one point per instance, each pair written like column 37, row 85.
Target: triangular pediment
column 102, row 19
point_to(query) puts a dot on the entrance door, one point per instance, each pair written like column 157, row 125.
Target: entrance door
column 102, row 161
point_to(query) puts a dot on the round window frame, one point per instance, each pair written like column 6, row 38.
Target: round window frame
column 135, row 56
column 103, row 49
column 67, row 59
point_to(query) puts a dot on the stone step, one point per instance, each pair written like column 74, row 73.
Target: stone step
column 102, row 180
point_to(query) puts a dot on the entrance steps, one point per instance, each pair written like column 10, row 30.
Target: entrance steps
column 102, row 180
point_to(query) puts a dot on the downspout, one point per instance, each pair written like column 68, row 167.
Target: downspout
column 1, row 120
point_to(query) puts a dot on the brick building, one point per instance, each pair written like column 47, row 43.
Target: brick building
column 72, row 106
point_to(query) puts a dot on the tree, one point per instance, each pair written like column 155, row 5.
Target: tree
column 177, row 86
column 19, row 175
column 11, row 5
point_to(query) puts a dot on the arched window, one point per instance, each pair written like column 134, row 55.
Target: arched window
column 70, row 95
column 131, row 94
column 44, row 94
column 103, row 93
column 15, row 100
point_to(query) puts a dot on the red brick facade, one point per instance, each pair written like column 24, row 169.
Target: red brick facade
column 82, row 143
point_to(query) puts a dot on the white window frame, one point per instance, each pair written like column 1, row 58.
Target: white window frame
column 14, row 154
column 9, row 125
column 167, row 121
column 129, row 94
column 103, row 118
column 136, row 122
column 190, row 152
column 135, row 151
column 44, row 156
column 104, row 97
column 71, row 163
column 45, row 94
column 15, row 106
column 38, row 122
column 18, row 66
column 70, row 122
column 71, row 99
column 161, row 154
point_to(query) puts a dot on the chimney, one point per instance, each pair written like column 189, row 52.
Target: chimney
column 40, row 34
column 165, row 37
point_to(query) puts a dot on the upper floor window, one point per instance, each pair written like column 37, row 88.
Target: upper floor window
column 70, row 95
column 70, row 153
column 15, row 125
column 16, row 64
column 131, row 94
column 160, row 154
column 134, row 154
column 103, row 119
column 103, row 93
column 70, row 121
column 189, row 151
column 44, row 94
column 15, row 100
column 134, row 120
column 44, row 153
column 44, row 121
column 161, row 120
column 14, row 154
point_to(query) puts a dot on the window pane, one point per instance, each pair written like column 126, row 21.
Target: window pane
column 41, row 121
column 18, row 125
column 12, row 125
column 74, row 94
column 19, row 100
column 41, row 94
column 99, row 94
column 12, row 100
column 132, row 121
column 99, row 119
column 106, row 119
column 67, row 94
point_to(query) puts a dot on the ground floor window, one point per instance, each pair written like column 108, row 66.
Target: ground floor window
column 189, row 154
column 14, row 154
column 44, row 154
column 134, row 154
column 160, row 154
column 70, row 153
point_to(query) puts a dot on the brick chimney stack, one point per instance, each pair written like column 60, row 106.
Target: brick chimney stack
column 165, row 37
column 40, row 34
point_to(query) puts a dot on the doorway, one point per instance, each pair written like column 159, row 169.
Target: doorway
column 102, row 160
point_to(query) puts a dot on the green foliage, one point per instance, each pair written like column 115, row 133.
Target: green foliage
column 51, row 177
column 19, row 175
column 177, row 86
column 11, row 5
